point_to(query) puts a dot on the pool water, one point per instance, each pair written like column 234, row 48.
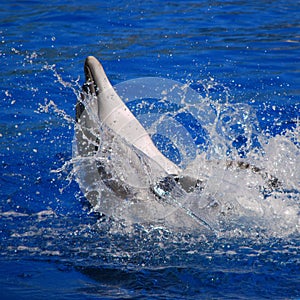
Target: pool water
column 234, row 53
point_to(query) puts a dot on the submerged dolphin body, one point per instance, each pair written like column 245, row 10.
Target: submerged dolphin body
column 118, row 160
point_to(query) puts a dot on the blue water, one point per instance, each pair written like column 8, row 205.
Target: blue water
column 51, row 246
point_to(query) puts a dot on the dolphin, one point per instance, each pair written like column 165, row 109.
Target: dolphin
column 113, row 148
column 116, row 150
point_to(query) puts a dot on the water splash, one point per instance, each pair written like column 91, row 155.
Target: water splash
column 249, row 180
column 231, row 202
column 242, row 186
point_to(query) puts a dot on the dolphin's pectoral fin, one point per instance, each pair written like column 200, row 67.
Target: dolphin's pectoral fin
column 167, row 184
column 190, row 184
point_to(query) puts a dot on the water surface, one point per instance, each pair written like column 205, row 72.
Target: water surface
column 51, row 246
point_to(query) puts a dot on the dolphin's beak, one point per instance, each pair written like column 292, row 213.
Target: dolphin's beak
column 96, row 80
